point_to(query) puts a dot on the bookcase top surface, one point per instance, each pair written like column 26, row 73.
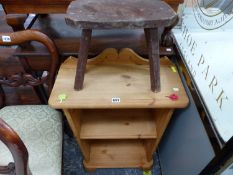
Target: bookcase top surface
column 117, row 80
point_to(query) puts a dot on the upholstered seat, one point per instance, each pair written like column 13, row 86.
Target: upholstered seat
column 40, row 128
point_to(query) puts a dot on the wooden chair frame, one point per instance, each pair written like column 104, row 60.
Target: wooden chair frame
column 16, row 38
column 18, row 150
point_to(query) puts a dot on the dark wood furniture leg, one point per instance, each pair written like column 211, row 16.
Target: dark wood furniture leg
column 166, row 38
column 152, row 38
column 41, row 93
column 146, row 37
column 82, row 60
column 16, row 21
column 2, row 97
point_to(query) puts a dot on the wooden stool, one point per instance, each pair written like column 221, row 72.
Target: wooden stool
column 130, row 14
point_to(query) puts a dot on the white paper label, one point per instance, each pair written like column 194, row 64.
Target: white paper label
column 6, row 39
column 175, row 89
column 116, row 100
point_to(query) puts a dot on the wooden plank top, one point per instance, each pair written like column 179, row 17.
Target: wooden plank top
column 50, row 6
column 35, row 2
column 109, row 14
column 117, row 75
column 35, row 6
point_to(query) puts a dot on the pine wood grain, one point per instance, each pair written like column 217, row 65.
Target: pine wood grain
column 120, row 77
column 161, row 119
column 118, row 124
column 123, row 134
column 121, row 154
column 73, row 118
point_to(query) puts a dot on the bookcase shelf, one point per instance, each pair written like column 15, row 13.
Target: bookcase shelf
column 117, row 153
column 125, row 133
column 118, row 124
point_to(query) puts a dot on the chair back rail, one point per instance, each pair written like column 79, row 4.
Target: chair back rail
column 18, row 150
column 16, row 38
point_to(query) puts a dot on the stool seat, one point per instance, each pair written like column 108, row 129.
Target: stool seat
column 111, row 14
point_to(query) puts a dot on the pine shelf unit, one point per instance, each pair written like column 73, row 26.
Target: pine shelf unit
column 118, row 134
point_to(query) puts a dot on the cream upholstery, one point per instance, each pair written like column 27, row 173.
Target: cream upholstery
column 40, row 128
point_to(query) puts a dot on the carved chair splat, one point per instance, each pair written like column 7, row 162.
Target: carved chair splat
column 22, row 78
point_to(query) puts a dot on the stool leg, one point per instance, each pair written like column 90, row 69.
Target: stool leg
column 152, row 38
column 82, row 60
column 146, row 36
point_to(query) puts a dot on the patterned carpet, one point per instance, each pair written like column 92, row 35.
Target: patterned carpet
column 72, row 159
